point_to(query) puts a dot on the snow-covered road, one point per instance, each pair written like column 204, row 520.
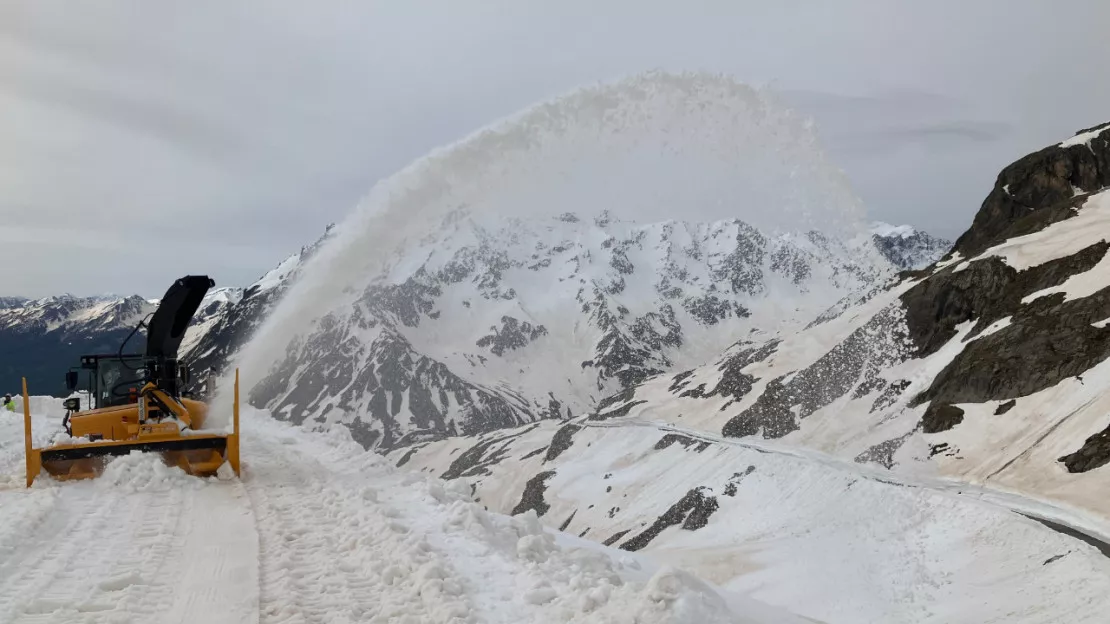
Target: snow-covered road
column 1072, row 522
column 317, row 530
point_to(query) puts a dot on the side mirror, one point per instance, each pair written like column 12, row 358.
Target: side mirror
column 72, row 404
column 71, row 380
column 186, row 374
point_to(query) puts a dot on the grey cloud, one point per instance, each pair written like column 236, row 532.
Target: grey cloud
column 242, row 129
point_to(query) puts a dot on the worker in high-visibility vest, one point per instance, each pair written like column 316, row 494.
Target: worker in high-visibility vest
column 9, row 404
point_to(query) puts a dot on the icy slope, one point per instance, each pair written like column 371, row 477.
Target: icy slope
column 317, row 530
column 837, row 541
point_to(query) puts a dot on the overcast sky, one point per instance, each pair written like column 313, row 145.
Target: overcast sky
column 143, row 140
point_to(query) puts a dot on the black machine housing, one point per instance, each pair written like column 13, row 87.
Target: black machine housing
column 114, row 379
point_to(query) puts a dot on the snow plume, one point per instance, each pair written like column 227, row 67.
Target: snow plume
column 651, row 146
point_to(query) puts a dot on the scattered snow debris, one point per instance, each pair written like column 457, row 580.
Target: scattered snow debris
column 225, row 472
column 138, row 472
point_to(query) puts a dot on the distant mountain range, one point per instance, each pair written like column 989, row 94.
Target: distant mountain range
column 467, row 340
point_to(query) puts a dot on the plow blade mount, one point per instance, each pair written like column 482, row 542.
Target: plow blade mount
column 196, row 455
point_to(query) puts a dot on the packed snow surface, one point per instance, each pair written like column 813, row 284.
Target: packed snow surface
column 317, row 530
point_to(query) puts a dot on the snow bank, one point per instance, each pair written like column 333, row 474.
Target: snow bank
column 421, row 548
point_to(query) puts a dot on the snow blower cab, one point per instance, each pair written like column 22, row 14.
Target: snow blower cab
column 137, row 403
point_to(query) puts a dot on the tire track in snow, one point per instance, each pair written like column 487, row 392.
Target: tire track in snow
column 30, row 570
column 330, row 553
column 144, row 543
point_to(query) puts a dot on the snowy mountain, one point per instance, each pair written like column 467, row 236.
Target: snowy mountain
column 907, row 247
column 225, row 328
column 46, row 336
column 985, row 373
column 12, row 302
column 490, row 324
column 43, row 338
column 215, row 306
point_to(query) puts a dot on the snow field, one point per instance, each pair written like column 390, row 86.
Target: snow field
column 317, row 530
column 827, row 538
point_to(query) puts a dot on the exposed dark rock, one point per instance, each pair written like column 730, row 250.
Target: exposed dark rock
column 615, row 537
column 534, row 453
column 1005, row 407
column 618, row 412
column 1055, row 558
column 1038, row 181
column 734, row 481
column 741, row 269
column 911, row 251
column 868, row 386
column 474, row 461
column 1095, row 453
column 1048, row 340
column 677, row 382
column 878, row 344
column 561, row 441
column 987, row 290
column 883, row 452
column 770, row 413
column 685, row 441
column 532, row 498
column 711, row 309
column 890, row 395
column 620, row 397
column 697, row 392
column 940, row 417
column 734, row 383
column 374, row 379
column 407, row 456
column 692, row 511
column 513, row 334
column 566, row 523
column 936, row 449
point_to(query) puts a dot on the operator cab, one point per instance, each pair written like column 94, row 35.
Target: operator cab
column 114, row 379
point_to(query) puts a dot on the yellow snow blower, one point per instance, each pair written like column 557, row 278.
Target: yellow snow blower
column 137, row 403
